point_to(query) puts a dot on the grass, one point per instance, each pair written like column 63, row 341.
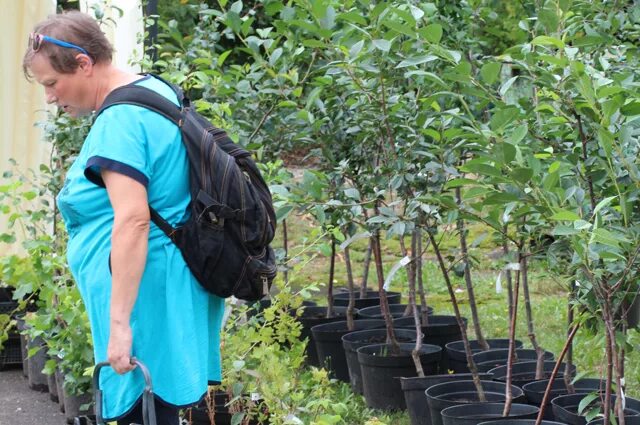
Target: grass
column 548, row 295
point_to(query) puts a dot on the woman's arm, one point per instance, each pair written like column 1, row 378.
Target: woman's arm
column 129, row 240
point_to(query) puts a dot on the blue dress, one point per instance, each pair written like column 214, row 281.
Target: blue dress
column 175, row 323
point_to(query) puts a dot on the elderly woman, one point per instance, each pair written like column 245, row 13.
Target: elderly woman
column 141, row 298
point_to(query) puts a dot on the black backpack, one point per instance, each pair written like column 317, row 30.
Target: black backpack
column 225, row 243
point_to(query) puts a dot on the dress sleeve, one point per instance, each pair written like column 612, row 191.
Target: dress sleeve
column 118, row 142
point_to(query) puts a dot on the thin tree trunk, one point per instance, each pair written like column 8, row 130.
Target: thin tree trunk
column 610, row 342
column 332, row 267
column 285, row 243
column 463, row 328
column 467, row 277
column 365, row 273
column 527, row 304
column 423, row 299
column 505, row 250
column 384, row 303
column 411, row 273
column 352, row 298
column 512, row 339
column 554, row 373
column 568, row 378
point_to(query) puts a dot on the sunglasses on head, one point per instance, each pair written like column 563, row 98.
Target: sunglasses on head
column 36, row 40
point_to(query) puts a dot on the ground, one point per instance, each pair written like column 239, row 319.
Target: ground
column 20, row 405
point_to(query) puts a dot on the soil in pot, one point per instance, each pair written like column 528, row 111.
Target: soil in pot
column 328, row 340
column 312, row 316
column 487, row 360
column 458, row 357
column 565, row 407
column 397, row 311
column 449, row 394
column 415, row 398
column 472, row 413
column 381, row 368
column 534, row 391
column 223, row 412
column 371, row 299
column 440, row 331
column 524, row 372
column 354, row 340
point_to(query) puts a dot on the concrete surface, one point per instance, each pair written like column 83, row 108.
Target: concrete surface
column 20, row 405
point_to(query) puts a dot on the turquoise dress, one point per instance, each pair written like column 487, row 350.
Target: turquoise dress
column 175, row 323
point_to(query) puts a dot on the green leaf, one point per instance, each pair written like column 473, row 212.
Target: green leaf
column 518, row 134
column 490, row 72
column 606, row 140
column 482, row 169
column 275, row 56
column 417, row 60
column 562, row 230
column 507, row 85
column 631, row 109
column 522, row 175
column 586, row 401
column 503, row 117
column 565, row 215
column 381, row 44
column 608, row 238
column 353, row 17
column 545, row 40
column 432, row 33
column 356, row 48
column 459, row 183
column 602, row 204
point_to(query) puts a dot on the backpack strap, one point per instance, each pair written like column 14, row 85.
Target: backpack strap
column 132, row 94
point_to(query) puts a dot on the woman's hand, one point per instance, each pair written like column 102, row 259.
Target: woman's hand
column 119, row 348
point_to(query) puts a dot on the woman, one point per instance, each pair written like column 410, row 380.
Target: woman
column 141, row 298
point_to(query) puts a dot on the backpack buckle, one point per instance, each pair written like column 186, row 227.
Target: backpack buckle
column 265, row 285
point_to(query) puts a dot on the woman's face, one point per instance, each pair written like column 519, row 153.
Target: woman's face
column 67, row 91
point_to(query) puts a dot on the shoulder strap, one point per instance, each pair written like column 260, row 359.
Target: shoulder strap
column 133, row 94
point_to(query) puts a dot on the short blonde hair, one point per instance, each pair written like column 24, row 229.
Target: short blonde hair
column 73, row 27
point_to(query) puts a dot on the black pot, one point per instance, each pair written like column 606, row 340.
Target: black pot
column 21, row 326
column 628, row 420
column 200, row 414
column 534, row 391
column 470, row 414
column 328, row 341
column 414, row 396
column 37, row 379
column 458, row 358
column 371, row 299
column 73, row 405
column 565, row 408
column 381, row 368
column 486, row 360
column 312, row 316
column 519, row 422
column 449, row 394
column 440, row 331
column 397, row 311
column 354, row 340
column 524, row 372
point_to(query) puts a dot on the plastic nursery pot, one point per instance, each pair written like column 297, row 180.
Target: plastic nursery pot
column 628, row 420
column 449, row 394
column 534, row 391
column 223, row 412
column 486, row 360
column 470, row 414
column 37, row 379
column 328, row 341
column 565, row 407
column 21, row 326
column 371, row 299
column 440, row 331
column 524, row 372
column 73, row 404
column 519, row 422
column 381, row 367
column 414, row 396
column 59, row 388
column 458, row 357
column 397, row 311
column 354, row 340
column 312, row 316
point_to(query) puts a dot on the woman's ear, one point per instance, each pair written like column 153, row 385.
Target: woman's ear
column 84, row 62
